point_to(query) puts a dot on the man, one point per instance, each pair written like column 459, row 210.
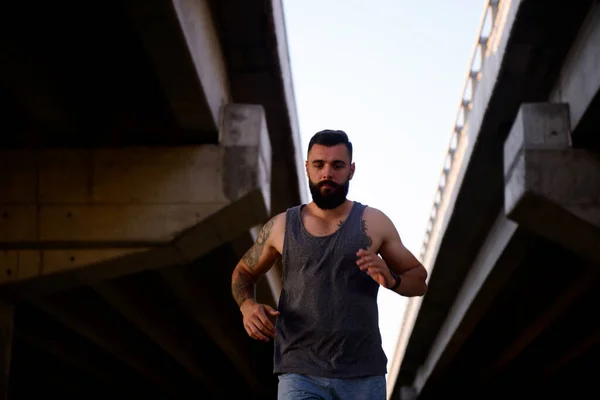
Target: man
column 335, row 255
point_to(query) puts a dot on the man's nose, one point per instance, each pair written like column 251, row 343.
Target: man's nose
column 327, row 173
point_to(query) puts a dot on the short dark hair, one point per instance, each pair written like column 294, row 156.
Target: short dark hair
column 329, row 138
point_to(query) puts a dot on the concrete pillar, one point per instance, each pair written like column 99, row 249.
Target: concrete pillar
column 551, row 188
column 79, row 216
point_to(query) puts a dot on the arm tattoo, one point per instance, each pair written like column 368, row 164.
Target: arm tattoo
column 368, row 241
column 242, row 286
column 253, row 254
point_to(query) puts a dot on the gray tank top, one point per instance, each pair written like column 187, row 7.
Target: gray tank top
column 328, row 324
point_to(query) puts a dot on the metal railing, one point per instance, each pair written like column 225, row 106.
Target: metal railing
column 474, row 75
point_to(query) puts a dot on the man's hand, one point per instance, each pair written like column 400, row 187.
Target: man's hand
column 257, row 321
column 376, row 267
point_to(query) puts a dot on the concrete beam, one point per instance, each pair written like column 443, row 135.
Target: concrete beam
column 551, row 188
column 256, row 30
column 508, row 76
column 468, row 172
column 554, row 311
column 159, row 326
column 182, row 41
column 283, row 58
column 82, row 216
column 579, row 81
column 110, row 337
column 499, row 255
column 195, row 300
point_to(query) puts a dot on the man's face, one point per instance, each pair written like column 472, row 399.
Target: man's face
column 329, row 173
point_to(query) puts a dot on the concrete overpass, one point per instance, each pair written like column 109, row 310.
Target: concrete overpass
column 143, row 143
column 512, row 243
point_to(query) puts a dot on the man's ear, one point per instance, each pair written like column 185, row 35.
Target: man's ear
column 352, row 168
column 306, row 167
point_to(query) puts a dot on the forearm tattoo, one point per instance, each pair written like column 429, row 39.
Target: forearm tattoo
column 242, row 286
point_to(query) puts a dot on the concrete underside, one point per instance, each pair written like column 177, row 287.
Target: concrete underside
column 143, row 144
column 513, row 289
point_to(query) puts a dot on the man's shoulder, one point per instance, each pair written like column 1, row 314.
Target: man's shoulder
column 374, row 214
column 274, row 221
column 273, row 231
column 378, row 220
column 277, row 223
column 279, row 218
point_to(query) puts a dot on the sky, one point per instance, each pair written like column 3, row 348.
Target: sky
column 390, row 73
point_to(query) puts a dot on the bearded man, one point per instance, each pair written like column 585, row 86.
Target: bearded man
column 335, row 255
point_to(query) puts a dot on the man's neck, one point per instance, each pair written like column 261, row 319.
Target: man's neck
column 332, row 214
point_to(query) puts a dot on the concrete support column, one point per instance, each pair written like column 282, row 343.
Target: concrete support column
column 78, row 216
column 551, row 188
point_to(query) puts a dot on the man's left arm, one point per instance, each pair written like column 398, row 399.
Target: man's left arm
column 408, row 269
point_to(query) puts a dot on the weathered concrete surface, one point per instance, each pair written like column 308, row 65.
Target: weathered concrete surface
column 254, row 43
column 523, row 62
column 579, row 82
column 500, row 254
column 551, row 188
column 143, row 313
column 449, row 266
column 158, row 77
column 183, row 43
column 125, row 210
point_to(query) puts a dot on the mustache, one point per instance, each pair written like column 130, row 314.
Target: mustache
column 328, row 183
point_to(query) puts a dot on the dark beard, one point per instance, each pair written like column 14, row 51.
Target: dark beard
column 335, row 197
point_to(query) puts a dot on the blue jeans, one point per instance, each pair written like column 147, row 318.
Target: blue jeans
column 303, row 387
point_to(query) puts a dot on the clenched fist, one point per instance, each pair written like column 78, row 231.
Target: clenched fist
column 257, row 320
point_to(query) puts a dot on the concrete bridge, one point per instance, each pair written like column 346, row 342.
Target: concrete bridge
column 512, row 245
column 143, row 143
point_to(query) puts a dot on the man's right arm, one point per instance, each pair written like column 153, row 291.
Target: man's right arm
column 255, row 263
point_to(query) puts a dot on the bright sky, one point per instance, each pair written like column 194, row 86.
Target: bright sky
column 390, row 73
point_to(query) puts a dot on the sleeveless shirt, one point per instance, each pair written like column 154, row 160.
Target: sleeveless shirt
column 328, row 322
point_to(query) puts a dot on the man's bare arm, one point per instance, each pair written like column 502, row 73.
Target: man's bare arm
column 242, row 286
column 256, row 262
column 413, row 275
